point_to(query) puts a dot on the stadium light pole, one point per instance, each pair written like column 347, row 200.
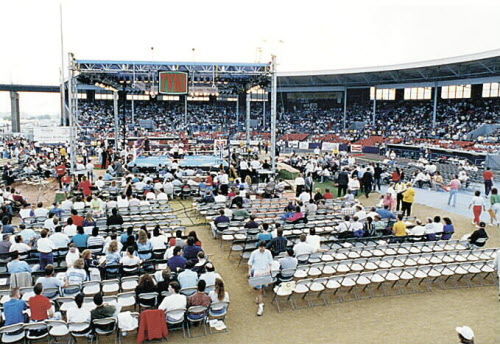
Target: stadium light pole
column 274, row 87
column 72, row 129
column 63, row 100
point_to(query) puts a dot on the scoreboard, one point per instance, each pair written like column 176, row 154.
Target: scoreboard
column 173, row 83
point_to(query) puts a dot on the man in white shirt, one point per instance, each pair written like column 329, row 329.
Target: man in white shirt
column 45, row 246
column 150, row 196
column 174, row 301
column 259, row 264
column 122, row 201
column 70, row 228
column 139, row 186
column 40, row 211
column 50, row 223
column 313, row 240
column 299, row 185
column 418, row 230
column 302, row 247
column 345, row 226
column 19, row 245
column 162, row 195
column 100, row 183
column 26, row 212
column 67, row 204
column 360, row 212
column 134, row 202
column 59, row 239
column 304, row 197
column 219, row 198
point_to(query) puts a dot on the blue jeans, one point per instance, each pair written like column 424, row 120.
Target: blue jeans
column 453, row 197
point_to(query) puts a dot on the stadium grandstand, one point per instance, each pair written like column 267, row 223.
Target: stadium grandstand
column 236, row 202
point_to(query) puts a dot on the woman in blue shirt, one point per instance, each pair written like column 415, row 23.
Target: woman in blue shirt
column 448, row 229
column 143, row 244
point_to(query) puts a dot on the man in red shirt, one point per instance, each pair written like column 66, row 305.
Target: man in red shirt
column 40, row 306
column 60, row 171
column 85, row 186
column 488, row 180
column 327, row 194
column 77, row 219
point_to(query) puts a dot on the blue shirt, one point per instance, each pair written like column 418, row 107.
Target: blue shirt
column 13, row 311
column 56, row 211
column 385, row 214
column 16, row 266
column 144, row 247
column 28, row 234
column 176, row 262
column 191, row 252
column 8, row 229
column 80, row 240
column 188, row 279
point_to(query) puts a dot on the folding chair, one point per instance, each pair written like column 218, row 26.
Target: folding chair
column 136, row 328
column 218, row 311
column 91, row 288
column 36, row 331
column 58, row 329
column 196, row 315
column 13, row 334
column 129, row 283
column 126, row 299
column 111, row 286
column 175, row 320
column 147, row 300
column 104, row 327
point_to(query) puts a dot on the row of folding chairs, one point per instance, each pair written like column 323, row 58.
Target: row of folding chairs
column 387, row 262
column 323, row 290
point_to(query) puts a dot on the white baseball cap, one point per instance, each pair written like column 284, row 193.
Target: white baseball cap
column 466, row 332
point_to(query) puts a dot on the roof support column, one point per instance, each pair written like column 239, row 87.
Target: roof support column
column 248, row 95
column 345, row 108
column 374, row 112
column 434, row 109
column 14, row 112
column 237, row 111
column 274, row 90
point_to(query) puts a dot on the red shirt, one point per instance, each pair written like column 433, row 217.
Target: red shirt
column 488, row 175
column 395, row 176
column 61, row 170
column 39, row 305
column 77, row 220
column 328, row 195
column 85, row 186
column 66, row 179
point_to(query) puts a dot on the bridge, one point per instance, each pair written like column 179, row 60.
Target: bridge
column 14, row 90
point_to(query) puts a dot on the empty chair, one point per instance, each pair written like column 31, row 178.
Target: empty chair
column 12, row 333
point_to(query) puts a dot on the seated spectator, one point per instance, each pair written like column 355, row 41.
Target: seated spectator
column 210, row 275
column 76, row 274
column 193, row 235
column 173, row 302
column 77, row 219
column 314, row 240
column 386, row 213
column 297, row 216
column 188, row 278
column 164, row 283
column 19, row 245
column 72, row 255
column 328, row 194
column 191, row 250
column 418, row 229
column 448, row 229
column 28, row 234
column 112, row 256
column 130, row 260
column 240, row 213
column 146, row 285
column 78, row 314
column 302, row 247
column 251, row 224
column 102, row 310
column 89, row 221
column 177, row 261
column 479, row 236
column 40, row 211
column 399, row 228
column 265, row 235
column 14, row 309
column 277, row 244
column 49, row 281
column 115, row 218
column 80, row 239
column 124, row 236
column 200, row 265
column 16, row 265
column 40, row 306
column 200, row 298
column 219, row 294
column 158, row 240
column 95, row 239
column 288, row 262
column 144, row 246
column 60, row 239
column 70, row 229
column 177, row 241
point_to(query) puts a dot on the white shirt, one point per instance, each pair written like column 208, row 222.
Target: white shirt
column 162, row 196
column 129, row 261
column 302, row 248
column 304, row 197
column 122, row 202
column 360, row 214
column 71, row 257
column 150, row 195
column 158, row 242
column 220, row 199
column 314, row 241
column 261, row 261
column 70, row 230
column 19, row 247
column 45, row 245
column 78, row 315
column 49, row 224
column 299, row 181
column 41, row 212
column 24, row 213
column 171, row 302
column 417, row 230
column 60, row 240
column 477, row 200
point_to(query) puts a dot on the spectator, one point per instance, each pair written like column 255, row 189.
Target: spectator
column 177, row 261
column 146, row 285
column 70, row 229
column 219, row 294
column 210, row 275
column 45, row 246
column 408, row 199
column 102, row 310
column 302, row 247
column 76, row 274
column 200, row 298
column 19, row 245
column 16, row 265
column 60, row 240
column 277, row 244
column 72, row 255
column 78, row 314
column 448, row 229
column 115, row 218
column 191, row 250
column 80, row 239
column 40, row 306
column 188, row 278
column 399, row 228
column 173, row 302
column 13, row 310
column 77, row 219
column 478, row 206
column 479, row 236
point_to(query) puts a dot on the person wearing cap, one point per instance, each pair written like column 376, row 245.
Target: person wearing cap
column 465, row 334
column 259, row 264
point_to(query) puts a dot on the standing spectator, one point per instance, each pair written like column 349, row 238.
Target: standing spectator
column 45, row 246
column 477, row 205
column 454, row 186
column 299, row 184
column 488, row 180
column 408, row 199
column 495, row 207
column 367, row 183
column 259, row 264
column 377, row 176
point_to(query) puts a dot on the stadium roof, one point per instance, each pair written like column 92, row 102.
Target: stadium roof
column 476, row 66
column 124, row 74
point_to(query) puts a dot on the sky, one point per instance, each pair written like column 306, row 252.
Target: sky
column 305, row 35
